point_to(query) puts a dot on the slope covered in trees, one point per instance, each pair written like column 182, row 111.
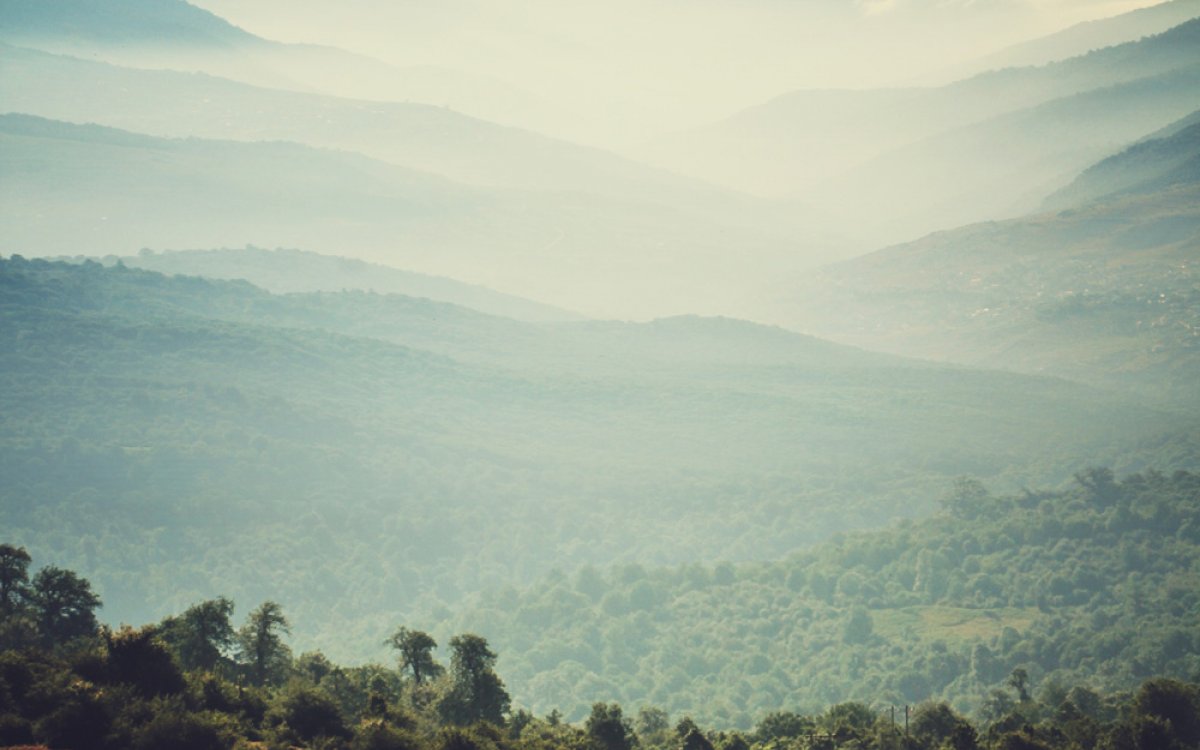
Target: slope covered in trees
column 1011, row 594
column 364, row 456
column 285, row 271
column 1093, row 586
column 1102, row 289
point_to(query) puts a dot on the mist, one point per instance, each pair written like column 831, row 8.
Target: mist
column 678, row 374
column 621, row 73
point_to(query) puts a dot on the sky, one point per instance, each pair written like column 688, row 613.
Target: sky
column 637, row 68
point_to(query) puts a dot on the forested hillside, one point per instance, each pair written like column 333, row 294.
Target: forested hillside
column 1101, row 289
column 366, row 456
column 284, row 271
column 1042, row 621
column 1093, row 586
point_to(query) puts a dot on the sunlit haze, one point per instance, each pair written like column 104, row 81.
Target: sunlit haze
column 623, row 71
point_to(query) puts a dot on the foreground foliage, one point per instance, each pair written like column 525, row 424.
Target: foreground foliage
column 1096, row 585
column 1033, row 622
column 100, row 689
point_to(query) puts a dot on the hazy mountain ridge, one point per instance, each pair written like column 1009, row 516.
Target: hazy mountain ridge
column 1005, row 166
column 130, row 22
column 68, row 184
column 1153, row 164
column 175, row 35
column 1103, row 291
column 286, row 271
column 1090, row 35
column 168, row 103
column 833, row 147
column 151, row 423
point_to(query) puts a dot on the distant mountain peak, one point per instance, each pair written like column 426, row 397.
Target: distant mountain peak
column 119, row 22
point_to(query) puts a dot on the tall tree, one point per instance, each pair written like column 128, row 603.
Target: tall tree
column 64, row 604
column 202, row 634
column 609, row 729
column 415, row 653
column 14, row 578
column 1019, row 681
column 261, row 645
column 477, row 694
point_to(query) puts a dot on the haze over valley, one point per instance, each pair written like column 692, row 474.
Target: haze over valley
column 749, row 367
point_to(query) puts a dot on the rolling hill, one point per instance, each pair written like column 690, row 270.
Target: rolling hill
column 1087, row 36
column 175, row 35
column 892, row 162
column 370, row 458
column 69, row 186
column 286, row 271
column 1101, row 290
column 1165, row 159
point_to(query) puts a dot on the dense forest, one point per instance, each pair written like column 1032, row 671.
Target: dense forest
column 1096, row 585
column 195, row 682
column 369, row 458
column 638, row 375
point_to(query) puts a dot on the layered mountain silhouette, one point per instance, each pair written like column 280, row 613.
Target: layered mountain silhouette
column 175, row 35
column 907, row 161
column 1100, row 289
column 73, row 189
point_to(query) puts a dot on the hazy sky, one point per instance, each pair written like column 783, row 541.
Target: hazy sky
column 662, row 64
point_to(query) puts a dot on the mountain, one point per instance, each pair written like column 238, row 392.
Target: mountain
column 175, row 35
column 174, row 104
column 163, row 23
column 1101, row 290
column 71, row 187
column 340, row 453
column 285, row 271
column 1006, row 166
column 1160, row 161
column 890, row 162
column 1087, row 36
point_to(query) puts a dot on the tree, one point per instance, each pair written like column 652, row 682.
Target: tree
column 260, row 645
column 1173, row 702
column 652, row 724
column 1019, row 681
column 608, row 729
column 859, row 626
column 14, row 578
column 415, row 649
column 202, row 634
column 136, row 657
column 477, row 693
column 936, row 723
column 309, row 713
column 695, row 740
column 64, row 605
column 782, row 725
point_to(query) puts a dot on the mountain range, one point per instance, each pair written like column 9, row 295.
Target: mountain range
column 396, row 453
column 84, row 188
column 1100, row 289
column 491, row 378
column 909, row 161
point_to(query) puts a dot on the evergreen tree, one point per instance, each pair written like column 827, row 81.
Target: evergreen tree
column 477, row 693
column 415, row 653
column 260, row 645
